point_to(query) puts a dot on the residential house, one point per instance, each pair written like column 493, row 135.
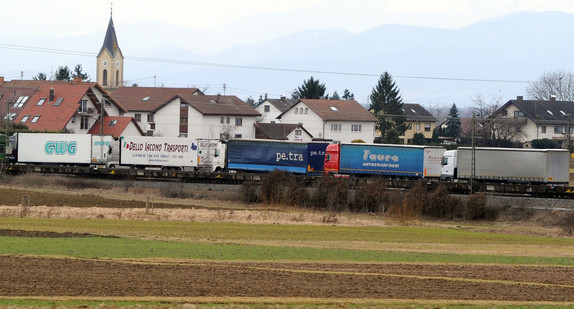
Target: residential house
column 466, row 131
column 270, row 109
column 70, row 108
column 526, row 120
column 19, row 92
column 282, row 131
column 338, row 120
column 116, row 127
column 418, row 120
column 187, row 112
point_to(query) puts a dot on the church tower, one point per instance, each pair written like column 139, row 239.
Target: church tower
column 110, row 68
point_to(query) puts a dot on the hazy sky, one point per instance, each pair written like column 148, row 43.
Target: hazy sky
column 72, row 17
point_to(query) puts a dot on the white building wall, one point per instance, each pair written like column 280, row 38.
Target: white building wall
column 320, row 129
column 91, row 114
column 166, row 120
column 268, row 117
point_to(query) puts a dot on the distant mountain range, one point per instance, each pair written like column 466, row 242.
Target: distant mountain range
column 491, row 58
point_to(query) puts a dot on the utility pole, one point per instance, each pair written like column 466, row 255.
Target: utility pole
column 473, row 156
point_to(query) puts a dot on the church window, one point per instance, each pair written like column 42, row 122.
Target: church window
column 105, row 81
column 117, row 78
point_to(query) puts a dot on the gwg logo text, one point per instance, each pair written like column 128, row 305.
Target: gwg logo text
column 60, row 148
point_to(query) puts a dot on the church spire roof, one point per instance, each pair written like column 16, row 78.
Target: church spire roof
column 110, row 41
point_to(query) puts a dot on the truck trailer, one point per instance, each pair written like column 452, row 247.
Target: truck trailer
column 507, row 165
column 409, row 161
column 58, row 148
column 167, row 153
column 268, row 155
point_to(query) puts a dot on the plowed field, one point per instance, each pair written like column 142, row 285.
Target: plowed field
column 35, row 276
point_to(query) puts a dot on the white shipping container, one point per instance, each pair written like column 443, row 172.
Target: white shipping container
column 54, row 148
column 151, row 151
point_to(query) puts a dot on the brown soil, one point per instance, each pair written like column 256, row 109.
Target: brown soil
column 45, row 234
column 57, row 277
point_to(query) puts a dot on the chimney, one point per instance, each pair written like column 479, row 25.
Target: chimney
column 51, row 94
column 218, row 98
column 519, row 98
column 77, row 80
column 1, row 80
column 283, row 98
column 552, row 98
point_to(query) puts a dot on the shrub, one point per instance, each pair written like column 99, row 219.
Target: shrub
column 476, row 208
column 567, row 224
column 370, row 196
column 274, row 185
column 249, row 192
column 442, row 205
column 412, row 203
column 175, row 191
column 331, row 194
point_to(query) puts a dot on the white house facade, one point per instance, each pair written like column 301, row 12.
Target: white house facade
column 338, row 120
column 270, row 109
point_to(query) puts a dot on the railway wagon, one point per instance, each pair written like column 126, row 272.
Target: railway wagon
column 409, row 161
column 269, row 155
column 507, row 165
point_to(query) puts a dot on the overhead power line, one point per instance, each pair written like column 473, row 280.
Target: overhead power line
column 250, row 67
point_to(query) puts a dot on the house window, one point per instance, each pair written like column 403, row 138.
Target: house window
column 518, row 114
column 504, row 113
column 83, row 106
column 221, row 120
column 238, row 136
column 418, row 126
column 296, row 110
column 298, row 132
column 25, row 118
column 10, row 116
column 21, row 100
column 35, row 119
column 152, row 126
column 58, row 101
column 558, row 129
column 149, row 133
column 138, row 117
column 306, row 110
column 112, row 123
column 238, row 122
column 41, row 101
column 150, row 117
column 543, row 129
column 427, row 127
column 227, row 120
column 336, row 127
column 84, row 123
column 183, row 120
column 267, row 108
column 409, row 126
column 356, row 128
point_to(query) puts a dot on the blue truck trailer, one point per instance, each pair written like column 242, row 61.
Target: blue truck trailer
column 268, row 155
column 384, row 159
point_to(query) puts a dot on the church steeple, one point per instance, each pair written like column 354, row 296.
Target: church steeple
column 110, row 67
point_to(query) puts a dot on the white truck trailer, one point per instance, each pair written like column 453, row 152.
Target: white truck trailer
column 507, row 165
column 56, row 148
column 169, row 153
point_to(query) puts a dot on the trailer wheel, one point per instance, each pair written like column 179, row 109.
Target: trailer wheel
column 448, row 179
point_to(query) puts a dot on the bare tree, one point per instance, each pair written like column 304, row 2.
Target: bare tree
column 492, row 128
column 558, row 83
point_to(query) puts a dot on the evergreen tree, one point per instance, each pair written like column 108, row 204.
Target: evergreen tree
column 335, row 96
column 311, row 89
column 347, row 95
column 40, row 76
column 63, row 73
column 392, row 137
column 453, row 125
column 251, row 102
column 387, row 105
column 78, row 73
column 419, row 139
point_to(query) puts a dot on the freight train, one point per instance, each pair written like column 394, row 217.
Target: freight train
column 189, row 155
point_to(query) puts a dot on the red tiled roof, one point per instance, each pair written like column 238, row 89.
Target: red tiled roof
column 219, row 105
column 10, row 95
column 132, row 98
column 343, row 110
column 54, row 118
column 114, row 126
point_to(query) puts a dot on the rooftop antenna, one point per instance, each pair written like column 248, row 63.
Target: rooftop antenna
column 111, row 8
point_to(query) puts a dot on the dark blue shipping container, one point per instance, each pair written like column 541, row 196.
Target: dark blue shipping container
column 267, row 155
